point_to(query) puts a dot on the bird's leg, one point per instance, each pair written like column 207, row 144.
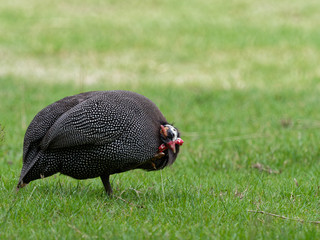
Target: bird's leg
column 106, row 184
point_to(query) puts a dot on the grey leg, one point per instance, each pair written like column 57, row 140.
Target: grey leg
column 106, row 184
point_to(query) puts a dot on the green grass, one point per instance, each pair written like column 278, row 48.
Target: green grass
column 240, row 79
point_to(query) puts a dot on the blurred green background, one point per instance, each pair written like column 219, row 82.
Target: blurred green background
column 239, row 78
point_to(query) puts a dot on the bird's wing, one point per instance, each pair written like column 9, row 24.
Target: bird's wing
column 44, row 120
column 90, row 122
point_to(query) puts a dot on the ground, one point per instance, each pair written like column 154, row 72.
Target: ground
column 241, row 81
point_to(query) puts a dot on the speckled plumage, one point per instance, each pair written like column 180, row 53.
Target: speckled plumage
column 94, row 134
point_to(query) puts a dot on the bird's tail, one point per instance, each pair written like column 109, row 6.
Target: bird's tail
column 21, row 184
column 25, row 169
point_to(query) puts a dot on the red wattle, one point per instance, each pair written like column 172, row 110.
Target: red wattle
column 162, row 147
column 179, row 141
column 170, row 145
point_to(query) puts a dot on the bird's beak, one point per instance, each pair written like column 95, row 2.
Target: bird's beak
column 172, row 146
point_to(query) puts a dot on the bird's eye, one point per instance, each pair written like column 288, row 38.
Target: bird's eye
column 172, row 133
column 175, row 132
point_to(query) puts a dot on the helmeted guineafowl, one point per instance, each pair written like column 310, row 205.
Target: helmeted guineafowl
column 96, row 134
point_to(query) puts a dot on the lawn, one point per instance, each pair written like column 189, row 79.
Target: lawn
column 240, row 79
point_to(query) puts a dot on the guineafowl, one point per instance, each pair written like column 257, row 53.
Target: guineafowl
column 97, row 134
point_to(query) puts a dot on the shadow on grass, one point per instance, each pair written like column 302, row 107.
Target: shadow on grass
column 92, row 190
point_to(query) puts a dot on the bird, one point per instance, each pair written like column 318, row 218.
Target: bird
column 97, row 134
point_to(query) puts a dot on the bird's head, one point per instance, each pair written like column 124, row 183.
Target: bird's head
column 171, row 142
column 168, row 149
column 170, row 137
